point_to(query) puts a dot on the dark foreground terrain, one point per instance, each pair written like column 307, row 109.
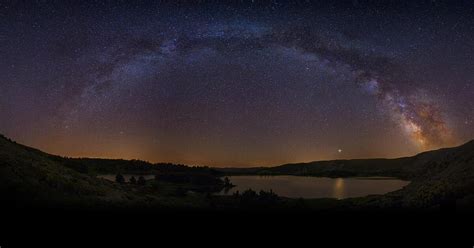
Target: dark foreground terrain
column 45, row 197
column 440, row 180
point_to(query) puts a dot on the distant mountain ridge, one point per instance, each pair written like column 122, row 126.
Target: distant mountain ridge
column 435, row 176
column 30, row 175
column 404, row 167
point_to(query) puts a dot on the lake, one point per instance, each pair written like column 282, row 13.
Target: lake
column 316, row 187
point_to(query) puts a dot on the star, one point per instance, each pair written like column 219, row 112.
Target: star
column 228, row 86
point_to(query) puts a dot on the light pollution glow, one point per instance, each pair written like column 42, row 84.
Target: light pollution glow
column 241, row 84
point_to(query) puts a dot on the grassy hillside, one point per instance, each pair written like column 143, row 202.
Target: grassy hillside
column 412, row 168
column 444, row 176
column 30, row 177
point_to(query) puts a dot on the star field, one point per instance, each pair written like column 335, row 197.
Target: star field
column 237, row 84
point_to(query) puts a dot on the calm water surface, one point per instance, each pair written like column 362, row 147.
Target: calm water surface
column 316, row 187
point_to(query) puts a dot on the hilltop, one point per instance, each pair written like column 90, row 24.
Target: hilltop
column 436, row 176
column 29, row 177
column 410, row 168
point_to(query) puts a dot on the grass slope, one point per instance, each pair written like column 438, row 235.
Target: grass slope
column 437, row 177
column 29, row 176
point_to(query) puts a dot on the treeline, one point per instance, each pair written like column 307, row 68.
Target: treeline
column 248, row 199
column 113, row 166
column 336, row 168
column 196, row 178
column 178, row 183
column 119, row 178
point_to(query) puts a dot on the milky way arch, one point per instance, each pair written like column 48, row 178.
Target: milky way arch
column 415, row 112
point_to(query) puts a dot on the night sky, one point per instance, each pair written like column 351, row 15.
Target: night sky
column 242, row 84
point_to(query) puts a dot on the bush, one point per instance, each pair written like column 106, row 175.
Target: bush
column 141, row 181
column 133, row 180
column 119, row 179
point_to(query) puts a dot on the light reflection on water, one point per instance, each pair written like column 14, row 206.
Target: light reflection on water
column 339, row 188
column 315, row 187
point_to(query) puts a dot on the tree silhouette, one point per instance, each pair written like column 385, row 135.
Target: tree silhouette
column 119, row 178
column 236, row 194
column 141, row 181
column 227, row 182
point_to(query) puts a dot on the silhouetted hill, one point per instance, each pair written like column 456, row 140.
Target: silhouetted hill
column 437, row 176
column 29, row 177
column 441, row 176
column 418, row 166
